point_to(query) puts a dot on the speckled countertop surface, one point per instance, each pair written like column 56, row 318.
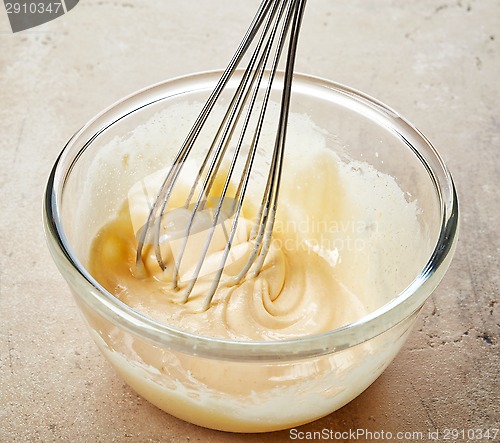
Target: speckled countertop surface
column 435, row 61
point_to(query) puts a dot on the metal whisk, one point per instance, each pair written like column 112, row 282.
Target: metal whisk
column 275, row 23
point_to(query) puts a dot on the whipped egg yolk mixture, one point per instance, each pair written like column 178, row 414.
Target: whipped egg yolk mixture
column 294, row 294
column 346, row 240
column 341, row 232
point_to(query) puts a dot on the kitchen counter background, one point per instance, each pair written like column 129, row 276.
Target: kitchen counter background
column 435, row 61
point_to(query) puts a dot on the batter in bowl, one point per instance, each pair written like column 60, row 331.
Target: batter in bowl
column 332, row 240
column 341, row 231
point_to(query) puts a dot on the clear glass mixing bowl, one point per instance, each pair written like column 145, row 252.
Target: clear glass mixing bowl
column 217, row 383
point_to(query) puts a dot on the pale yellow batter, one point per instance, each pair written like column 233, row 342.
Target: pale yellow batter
column 342, row 233
column 341, row 230
column 295, row 294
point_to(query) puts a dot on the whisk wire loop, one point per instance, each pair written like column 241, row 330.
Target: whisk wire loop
column 226, row 131
column 270, row 15
column 160, row 202
column 212, row 172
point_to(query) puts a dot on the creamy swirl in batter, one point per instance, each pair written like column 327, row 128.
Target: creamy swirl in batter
column 341, row 230
column 295, row 293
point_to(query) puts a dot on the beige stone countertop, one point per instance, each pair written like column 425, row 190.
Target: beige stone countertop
column 435, row 61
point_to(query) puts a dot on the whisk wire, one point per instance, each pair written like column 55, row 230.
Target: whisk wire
column 261, row 219
column 245, row 97
column 158, row 206
column 233, row 105
column 224, row 135
column 249, row 162
column 224, row 142
column 281, row 135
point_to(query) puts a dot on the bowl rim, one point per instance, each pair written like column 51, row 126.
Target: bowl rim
column 407, row 302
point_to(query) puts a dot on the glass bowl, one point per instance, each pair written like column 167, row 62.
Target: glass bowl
column 248, row 386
